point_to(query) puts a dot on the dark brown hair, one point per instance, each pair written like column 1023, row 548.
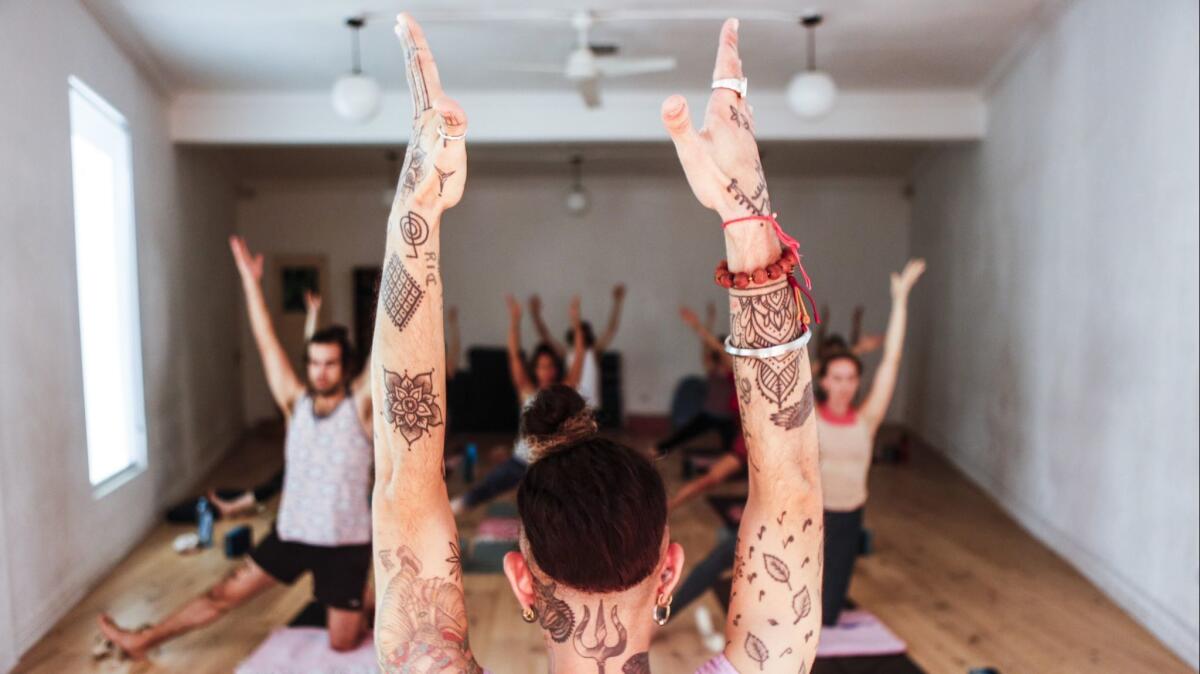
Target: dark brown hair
column 337, row 334
column 593, row 510
column 836, row 356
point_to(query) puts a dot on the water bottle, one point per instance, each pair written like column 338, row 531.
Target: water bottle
column 204, row 516
column 470, row 456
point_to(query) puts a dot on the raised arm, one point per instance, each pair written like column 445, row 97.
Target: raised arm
column 774, row 615
column 516, row 366
column 544, row 334
column 285, row 386
column 874, row 407
column 312, row 313
column 614, row 319
column 708, row 341
column 420, row 615
column 579, row 348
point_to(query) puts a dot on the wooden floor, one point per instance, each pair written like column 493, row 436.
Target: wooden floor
column 951, row 574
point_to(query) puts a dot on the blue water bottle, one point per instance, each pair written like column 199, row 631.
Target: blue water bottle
column 204, row 516
column 470, row 456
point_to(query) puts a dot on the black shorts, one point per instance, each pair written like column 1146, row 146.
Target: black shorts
column 339, row 572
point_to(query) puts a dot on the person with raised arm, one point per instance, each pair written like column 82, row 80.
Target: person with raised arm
column 848, row 437
column 596, row 568
column 324, row 525
column 719, row 412
column 589, row 381
column 543, row 371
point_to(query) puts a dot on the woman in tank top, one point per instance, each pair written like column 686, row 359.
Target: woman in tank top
column 589, row 378
column 544, row 369
column 847, row 437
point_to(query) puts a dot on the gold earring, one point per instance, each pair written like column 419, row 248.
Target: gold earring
column 528, row 614
column 662, row 610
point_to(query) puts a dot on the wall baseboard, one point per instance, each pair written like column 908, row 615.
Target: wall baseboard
column 1180, row 638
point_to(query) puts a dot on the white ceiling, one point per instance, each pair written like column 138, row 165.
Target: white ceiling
column 302, row 45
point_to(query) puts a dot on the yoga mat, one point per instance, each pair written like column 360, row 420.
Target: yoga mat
column 858, row 633
column 305, row 650
column 498, row 529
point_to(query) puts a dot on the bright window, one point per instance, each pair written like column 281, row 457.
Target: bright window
column 106, row 266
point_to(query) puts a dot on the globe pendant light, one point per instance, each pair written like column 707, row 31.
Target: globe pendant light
column 811, row 94
column 355, row 96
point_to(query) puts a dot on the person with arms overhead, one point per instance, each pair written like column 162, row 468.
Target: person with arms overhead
column 596, row 567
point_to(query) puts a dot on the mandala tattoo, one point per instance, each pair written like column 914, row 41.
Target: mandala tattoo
column 554, row 615
column 421, row 623
column 794, row 416
column 411, row 408
column 600, row 650
column 401, row 293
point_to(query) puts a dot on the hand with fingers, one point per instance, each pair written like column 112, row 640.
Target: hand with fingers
column 435, row 164
column 249, row 265
column 312, row 301
column 721, row 160
column 514, row 307
column 689, row 317
column 903, row 281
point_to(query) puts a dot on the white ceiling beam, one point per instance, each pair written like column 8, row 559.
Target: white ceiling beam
column 306, row 118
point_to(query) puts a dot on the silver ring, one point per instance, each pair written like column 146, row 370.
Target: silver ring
column 770, row 351
column 445, row 136
column 739, row 85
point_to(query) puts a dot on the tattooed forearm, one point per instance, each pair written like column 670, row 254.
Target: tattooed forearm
column 762, row 317
column 756, row 650
column 400, row 293
column 600, row 650
column 442, row 176
column 757, row 203
column 414, row 73
column 421, row 623
column 411, row 407
column 554, row 615
column 455, row 561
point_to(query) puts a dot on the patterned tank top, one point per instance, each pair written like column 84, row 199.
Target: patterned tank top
column 326, row 483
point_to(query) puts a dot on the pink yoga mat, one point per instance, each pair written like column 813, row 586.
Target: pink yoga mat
column 858, row 633
column 305, row 650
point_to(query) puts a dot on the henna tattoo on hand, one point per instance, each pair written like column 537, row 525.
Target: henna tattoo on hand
column 414, row 230
column 639, row 663
column 600, row 650
column 421, row 623
column 443, row 176
column 738, row 118
column 416, row 77
column 554, row 615
column 794, row 416
column 401, row 296
column 765, row 316
column 411, row 406
column 757, row 203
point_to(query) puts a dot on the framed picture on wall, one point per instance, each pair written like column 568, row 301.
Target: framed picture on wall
column 366, row 295
column 295, row 280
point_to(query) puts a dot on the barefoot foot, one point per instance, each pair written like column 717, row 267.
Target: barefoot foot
column 133, row 644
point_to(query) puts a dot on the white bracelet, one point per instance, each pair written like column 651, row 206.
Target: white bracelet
column 770, row 351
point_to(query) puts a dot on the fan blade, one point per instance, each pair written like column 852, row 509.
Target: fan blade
column 590, row 90
column 613, row 67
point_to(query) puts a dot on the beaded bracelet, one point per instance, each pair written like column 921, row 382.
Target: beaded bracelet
column 781, row 267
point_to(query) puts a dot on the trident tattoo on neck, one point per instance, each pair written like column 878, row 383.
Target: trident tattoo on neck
column 600, row 651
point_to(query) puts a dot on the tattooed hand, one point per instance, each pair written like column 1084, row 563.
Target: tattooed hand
column 435, row 169
column 721, row 160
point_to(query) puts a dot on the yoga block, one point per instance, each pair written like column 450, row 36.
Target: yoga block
column 237, row 541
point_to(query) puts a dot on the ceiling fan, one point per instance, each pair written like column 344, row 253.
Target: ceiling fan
column 588, row 63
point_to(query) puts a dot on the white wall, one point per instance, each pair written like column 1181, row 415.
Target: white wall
column 512, row 233
column 59, row 540
column 1055, row 340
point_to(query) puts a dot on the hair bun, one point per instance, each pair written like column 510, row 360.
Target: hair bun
column 555, row 418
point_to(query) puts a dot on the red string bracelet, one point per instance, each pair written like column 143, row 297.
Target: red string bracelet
column 792, row 245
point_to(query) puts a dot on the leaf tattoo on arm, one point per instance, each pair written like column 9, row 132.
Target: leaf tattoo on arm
column 756, row 650
column 801, row 605
column 777, row 569
column 794, row 416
